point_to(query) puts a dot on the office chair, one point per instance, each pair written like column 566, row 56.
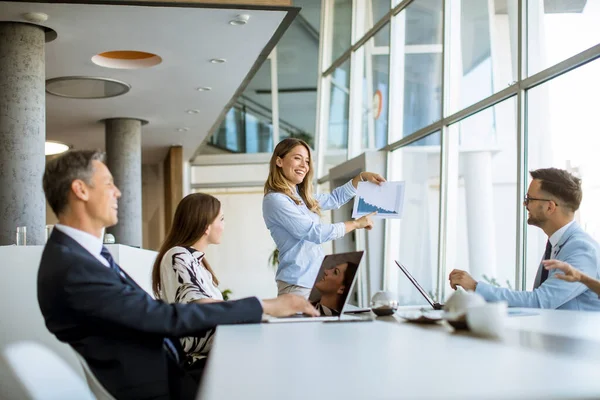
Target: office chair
column 43, row 375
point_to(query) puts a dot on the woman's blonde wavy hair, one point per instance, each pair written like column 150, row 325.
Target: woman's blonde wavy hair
column 276, row 182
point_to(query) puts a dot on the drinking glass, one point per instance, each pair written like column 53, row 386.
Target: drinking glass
column 49, row 231
column 21, row 236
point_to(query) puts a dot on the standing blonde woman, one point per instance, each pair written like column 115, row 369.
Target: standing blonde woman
column 292, row 214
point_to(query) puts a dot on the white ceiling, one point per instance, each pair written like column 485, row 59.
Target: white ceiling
column 185, row 38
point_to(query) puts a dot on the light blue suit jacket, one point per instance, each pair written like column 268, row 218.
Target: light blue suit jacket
column 576, row 248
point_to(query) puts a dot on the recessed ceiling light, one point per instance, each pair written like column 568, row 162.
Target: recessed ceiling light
column 204, row 89
column 86, row 87
column 52, row 147
column 241, row 19
column 126, row 59
column 218, row 60
column 35, row 17
column 184, row 129
column 192, row 111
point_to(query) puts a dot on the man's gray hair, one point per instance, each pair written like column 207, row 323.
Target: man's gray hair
column 63, row 170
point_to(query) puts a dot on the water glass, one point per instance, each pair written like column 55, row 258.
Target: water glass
column 21, row 236
column 49, row 231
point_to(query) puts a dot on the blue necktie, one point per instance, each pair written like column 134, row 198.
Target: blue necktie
column 167, row 343
column 111, row 261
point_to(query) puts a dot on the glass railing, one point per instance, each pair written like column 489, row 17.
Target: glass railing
column 248, row 129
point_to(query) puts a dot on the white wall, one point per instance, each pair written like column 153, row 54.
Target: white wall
column 241, row 261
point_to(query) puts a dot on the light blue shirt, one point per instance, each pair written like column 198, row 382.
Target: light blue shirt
column 298, row 233
column 573, row 246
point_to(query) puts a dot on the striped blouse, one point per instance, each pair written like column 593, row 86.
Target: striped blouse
column 184, row 279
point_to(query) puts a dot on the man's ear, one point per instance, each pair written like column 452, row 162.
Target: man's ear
column 279, row 162
column 341, row 289
column 80, row 190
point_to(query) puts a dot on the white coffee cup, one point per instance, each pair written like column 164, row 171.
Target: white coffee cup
column 488, row 319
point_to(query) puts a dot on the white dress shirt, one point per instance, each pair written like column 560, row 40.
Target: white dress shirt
column 89, row 242
column 555, row 238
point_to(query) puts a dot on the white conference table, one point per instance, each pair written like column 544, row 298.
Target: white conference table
column 551, row 355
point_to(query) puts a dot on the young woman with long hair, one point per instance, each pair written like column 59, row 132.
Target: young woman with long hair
column 292, row 214
column 181, row 273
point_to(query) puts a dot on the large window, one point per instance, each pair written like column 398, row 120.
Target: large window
column 483, row 49
column 341, row 19
column 375, row 90
column 557, row 30
column 563, row 132
column 413, row 240
column 337, row 133
column 482, row 195
column 465, row 97
column 418, row 65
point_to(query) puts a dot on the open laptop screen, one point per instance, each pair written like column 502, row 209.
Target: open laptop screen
column 334, row 282
column 416, row 284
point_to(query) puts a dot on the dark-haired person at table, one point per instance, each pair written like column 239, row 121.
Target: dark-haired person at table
column 571, row 274
column 89, row 302
column 552, row 199
column 334, row 287
column 292, row 213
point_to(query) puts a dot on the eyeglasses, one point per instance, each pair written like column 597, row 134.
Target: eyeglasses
column 527, row 199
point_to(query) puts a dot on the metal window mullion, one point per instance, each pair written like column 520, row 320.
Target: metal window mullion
column 521, row 233
column 356, row 75
column 274, row 97
column 443, row 213
column 420, row 134
column 456, row 117
column 561, row 68
column 395, row 98
column 323, row 87
column 444, row 153
column 396, row 79
column 370, row 33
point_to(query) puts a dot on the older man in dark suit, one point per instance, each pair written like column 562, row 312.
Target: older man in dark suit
column 90, row 303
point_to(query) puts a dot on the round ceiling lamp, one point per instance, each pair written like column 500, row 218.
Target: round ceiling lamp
column 86, row 87
column 53, row 147
column 126, row 59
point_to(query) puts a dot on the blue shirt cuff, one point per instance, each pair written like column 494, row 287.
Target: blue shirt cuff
column 349, row 187
column 340, row 229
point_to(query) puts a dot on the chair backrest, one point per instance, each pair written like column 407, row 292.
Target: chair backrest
column 44, row 375
column 99, row 391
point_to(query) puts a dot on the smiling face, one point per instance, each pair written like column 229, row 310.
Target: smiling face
column 102, row 196
column 333, row 280
column 216, row 228
column 295, row 165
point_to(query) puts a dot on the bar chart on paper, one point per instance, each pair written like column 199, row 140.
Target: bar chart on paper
column 387, row 199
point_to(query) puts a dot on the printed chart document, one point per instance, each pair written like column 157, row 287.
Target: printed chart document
column 387, row 199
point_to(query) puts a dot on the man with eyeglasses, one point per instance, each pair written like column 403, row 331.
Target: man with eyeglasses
column 552, row 199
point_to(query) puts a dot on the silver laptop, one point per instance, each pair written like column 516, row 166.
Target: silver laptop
column 332, row 288
column 435, row 305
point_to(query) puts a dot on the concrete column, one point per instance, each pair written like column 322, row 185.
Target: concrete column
column 22, row 131
column 124, row 159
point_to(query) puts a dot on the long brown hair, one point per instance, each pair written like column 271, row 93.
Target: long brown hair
column 195, row 212
column 276, row 182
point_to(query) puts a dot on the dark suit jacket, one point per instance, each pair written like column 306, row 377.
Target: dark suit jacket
column 116, row 326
